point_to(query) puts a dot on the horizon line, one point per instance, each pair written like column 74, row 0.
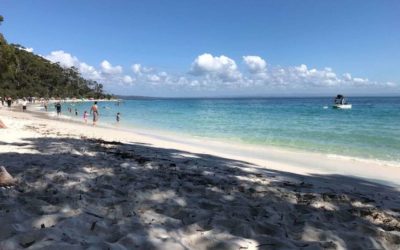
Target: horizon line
column 246, row 96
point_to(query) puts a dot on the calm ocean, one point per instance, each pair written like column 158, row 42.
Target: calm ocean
column 371, row 129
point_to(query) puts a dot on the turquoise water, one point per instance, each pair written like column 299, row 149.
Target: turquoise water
column 371, row 129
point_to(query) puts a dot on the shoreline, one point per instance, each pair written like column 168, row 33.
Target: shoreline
column 296, row 161
column 377, row 157
column 169, row 135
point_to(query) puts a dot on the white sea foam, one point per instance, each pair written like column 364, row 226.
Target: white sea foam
column 54, row 115
column 358, row 159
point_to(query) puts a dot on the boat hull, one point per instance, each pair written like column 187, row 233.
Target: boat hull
column 342, row 106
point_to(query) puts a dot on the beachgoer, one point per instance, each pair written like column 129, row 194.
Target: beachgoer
column 76, row 112
column 45, row 105
column 58, row 108
column 24, row 104
column 95, row 110
column 85, row 116
column 118, row 117
column 9, row 101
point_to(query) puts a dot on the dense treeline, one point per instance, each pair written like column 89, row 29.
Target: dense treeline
column 24, row 74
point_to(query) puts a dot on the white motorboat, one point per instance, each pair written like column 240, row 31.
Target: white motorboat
column 340, row 103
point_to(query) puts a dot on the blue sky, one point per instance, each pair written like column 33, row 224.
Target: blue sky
column 212, row 48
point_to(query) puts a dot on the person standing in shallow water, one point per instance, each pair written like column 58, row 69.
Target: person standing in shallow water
column 95, row 110
column 24, row 104
column 85, row 116
column 9, row 101
column 118, row 117
column 58, row 108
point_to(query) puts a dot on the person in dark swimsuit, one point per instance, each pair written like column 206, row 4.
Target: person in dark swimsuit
column 118, row 117
column 58, row 108
column 9, row 101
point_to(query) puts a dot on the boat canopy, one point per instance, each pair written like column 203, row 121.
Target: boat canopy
column 339, row 99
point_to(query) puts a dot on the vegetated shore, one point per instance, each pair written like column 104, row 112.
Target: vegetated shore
column 84, row 187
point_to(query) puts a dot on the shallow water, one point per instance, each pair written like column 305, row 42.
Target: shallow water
column 371, row 129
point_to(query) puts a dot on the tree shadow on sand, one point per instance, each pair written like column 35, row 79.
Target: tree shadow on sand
column 94, row 194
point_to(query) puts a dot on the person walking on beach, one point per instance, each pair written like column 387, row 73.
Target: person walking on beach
column 58, row 108
column 76, row 112
column 24, row 104
column 45, row 105
column 85, row 116
column 95, row 110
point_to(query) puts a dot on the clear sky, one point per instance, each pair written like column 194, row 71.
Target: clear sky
column 214, row 48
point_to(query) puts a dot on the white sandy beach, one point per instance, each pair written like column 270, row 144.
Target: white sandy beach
column 84, row 187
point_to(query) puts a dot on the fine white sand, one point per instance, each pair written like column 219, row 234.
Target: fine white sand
column 79, row 187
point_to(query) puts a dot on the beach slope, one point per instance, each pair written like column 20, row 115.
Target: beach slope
column 79, row 187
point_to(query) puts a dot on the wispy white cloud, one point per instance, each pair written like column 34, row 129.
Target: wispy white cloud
column 28, row 49
column 138, row 69
column 107, row 68
column 127, row 79
column 153, row 78
column 63, row 58
column 67, row 60
column 255, row 64
column 300, row 76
